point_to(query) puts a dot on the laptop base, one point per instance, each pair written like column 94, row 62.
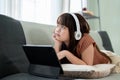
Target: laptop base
column 44, row 71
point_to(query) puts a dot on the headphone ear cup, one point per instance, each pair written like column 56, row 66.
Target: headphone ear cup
column 77, row 35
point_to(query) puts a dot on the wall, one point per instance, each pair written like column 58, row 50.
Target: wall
column 110, row 20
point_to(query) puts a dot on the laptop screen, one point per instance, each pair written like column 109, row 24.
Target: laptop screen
column 42, row 55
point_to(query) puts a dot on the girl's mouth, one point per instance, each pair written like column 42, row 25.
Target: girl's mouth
column 57, row 34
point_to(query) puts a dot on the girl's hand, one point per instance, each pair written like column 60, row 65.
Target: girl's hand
column 54, row 37
column 57, row 43
column 62, row 54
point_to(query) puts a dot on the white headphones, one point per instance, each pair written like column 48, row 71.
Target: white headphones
column 78, row 32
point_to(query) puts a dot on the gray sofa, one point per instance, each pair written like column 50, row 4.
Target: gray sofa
column 14, row 33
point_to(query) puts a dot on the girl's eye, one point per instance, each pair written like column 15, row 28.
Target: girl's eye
column 59, row 25
column 63, row 27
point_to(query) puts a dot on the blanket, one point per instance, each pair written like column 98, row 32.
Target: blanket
column 115, row 60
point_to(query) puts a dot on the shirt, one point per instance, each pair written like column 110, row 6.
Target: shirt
column 84, row 43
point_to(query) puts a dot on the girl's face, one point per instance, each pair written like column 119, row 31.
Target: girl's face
column 62, row 33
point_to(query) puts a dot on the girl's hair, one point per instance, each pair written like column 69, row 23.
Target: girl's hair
column 103, row 54
column 67, row 20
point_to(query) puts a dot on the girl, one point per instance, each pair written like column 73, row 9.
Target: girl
column 82, row 50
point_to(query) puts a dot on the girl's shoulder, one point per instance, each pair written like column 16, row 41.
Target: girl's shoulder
column 86, row 39
column 84, row 42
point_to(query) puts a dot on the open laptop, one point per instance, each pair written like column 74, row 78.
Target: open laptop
column 43, row 61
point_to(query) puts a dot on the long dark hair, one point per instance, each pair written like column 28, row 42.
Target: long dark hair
column 67, row 20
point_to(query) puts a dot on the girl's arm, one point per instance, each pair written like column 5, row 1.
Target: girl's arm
column 57, row 47
column 86, row 57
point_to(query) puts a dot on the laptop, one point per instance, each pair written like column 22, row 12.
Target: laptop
column 43, row 61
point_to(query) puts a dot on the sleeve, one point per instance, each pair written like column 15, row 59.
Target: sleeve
column 84, row 43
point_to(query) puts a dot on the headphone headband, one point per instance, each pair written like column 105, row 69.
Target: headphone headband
column 78, row 32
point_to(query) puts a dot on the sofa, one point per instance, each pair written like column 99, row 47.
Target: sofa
column 15, row 33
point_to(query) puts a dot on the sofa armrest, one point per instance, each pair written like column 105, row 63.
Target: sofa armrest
column 12, row 56
column 106, row 40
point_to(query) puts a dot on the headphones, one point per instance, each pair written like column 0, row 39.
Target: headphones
column 78, row 32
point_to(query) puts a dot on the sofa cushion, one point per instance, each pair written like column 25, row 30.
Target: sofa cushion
column 25, row 76
column 95, row 35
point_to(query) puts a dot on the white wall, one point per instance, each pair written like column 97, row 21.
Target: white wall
column 110, row 20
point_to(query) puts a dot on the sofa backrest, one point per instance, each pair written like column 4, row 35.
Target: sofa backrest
column 37, row 33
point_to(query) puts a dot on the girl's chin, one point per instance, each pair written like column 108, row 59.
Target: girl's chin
column 58, row 39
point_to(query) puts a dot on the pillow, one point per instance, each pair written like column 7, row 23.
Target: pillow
column 87, row 71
